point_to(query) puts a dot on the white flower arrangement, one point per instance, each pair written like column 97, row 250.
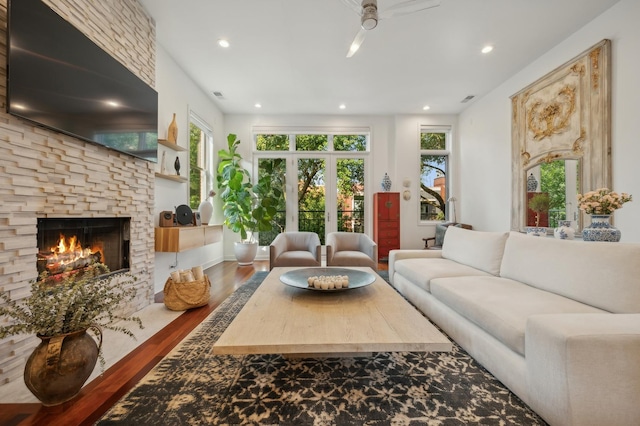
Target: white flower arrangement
column 602, row 201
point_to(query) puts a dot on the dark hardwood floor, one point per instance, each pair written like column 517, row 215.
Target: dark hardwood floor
column 99, row 395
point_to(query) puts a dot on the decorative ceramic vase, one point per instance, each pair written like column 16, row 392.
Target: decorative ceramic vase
column 386, row 183
column 176, row 165
column 564, row 231
column 536, row 231
column 163, row 163
column 59, row 366
column 600, row 229
column 172, row 132
column 532, row 183
column 206, row 211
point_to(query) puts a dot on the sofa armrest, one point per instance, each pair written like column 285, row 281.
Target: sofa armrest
column 395, row 255
column 584, row 369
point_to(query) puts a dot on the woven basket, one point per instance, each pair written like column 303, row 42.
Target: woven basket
column 187, row 295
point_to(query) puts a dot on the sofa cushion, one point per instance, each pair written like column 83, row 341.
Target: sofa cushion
column 501, row 306
column 604, row 275
column 422, row 271
column 481, row 250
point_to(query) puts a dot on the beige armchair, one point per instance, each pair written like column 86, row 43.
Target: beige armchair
column 295, row 249
column 351, row 249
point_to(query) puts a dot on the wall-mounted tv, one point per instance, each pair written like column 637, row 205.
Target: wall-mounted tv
column 60, row 79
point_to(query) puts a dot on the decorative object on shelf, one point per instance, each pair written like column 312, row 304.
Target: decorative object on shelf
column 532, row 183
column 184, row 215
column 163, row 163
column 539, row 203
column 206, row 208
column 386, row 183
column 60, row 315
column 600, row 205
column 172, row 132
column 406, row 194
column 453, row 200
column 564, row 231
column 247, row 208
column 536, row 231
column 600, row 229
column 176, row 165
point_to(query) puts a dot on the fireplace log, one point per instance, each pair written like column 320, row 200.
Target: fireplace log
column 59, row 267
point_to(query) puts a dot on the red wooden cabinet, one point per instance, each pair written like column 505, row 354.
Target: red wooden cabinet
column 386, row 223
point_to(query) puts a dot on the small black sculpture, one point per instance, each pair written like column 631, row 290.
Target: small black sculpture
column 177, row 166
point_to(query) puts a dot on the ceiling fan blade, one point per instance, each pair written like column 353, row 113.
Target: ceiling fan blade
column 408, row 6
column 353, row 5
column 357, row 41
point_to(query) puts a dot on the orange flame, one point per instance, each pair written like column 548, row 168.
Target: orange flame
column 67, row 251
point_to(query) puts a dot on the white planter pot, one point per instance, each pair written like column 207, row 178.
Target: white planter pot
column 245, row 252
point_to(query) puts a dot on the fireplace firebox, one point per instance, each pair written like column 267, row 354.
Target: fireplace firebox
column 71, row 244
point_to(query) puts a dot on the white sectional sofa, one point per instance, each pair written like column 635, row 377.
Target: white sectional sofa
column 557, row 321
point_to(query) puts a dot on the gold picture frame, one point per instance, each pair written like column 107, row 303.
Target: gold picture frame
column 565, row 115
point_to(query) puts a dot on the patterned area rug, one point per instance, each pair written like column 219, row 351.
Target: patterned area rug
column 193, row 386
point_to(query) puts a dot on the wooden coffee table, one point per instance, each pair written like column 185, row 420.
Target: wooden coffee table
column 296, row 322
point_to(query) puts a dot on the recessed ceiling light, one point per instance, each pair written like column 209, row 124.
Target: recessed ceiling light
column 426, row 107
column 112, row 104
column 223, row 43
column 342, row 106
column 258, row 105
column 487, row 49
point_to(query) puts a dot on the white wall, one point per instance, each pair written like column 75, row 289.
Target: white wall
column 177, row 93
column 485, row 127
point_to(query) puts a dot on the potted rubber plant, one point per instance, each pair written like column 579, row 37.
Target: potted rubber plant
column 248, row 208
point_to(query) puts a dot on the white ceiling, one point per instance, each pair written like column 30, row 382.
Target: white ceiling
column 290, row 55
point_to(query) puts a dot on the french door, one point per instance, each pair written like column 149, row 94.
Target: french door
column 323, row 192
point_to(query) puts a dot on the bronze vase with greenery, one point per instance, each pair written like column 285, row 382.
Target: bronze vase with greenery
column 60, row 311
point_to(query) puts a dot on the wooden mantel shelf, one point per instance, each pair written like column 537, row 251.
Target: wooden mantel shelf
column 182, row 238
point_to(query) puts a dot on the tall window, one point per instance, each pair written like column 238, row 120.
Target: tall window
column 200, row 161
column 434, row 173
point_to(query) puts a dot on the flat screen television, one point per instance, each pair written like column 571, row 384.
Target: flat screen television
column 60, row 79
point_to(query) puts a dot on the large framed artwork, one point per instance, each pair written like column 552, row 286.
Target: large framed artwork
column 561, row 124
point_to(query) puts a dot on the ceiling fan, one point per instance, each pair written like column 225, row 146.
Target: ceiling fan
column 369, row 17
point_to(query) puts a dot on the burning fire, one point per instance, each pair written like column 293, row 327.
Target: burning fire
column 68, row 254
column 73, row 246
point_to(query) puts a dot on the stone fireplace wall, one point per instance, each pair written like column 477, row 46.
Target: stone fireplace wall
column 47, row 174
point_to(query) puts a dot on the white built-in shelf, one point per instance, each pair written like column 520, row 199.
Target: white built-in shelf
column 174, row 178
column 172, row 145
